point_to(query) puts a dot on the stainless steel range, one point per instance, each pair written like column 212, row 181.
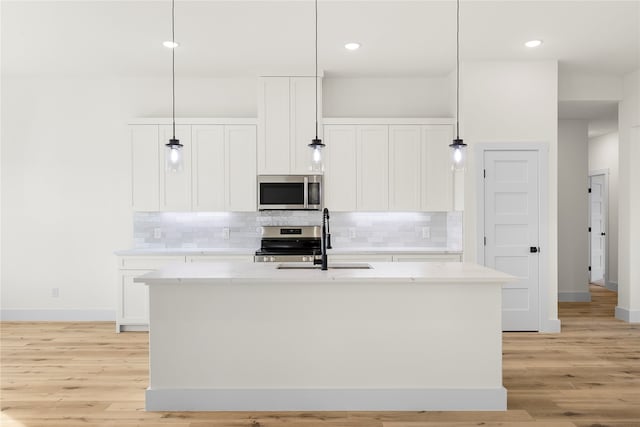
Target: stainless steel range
column 289, row 244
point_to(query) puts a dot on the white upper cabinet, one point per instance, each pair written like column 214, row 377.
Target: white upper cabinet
column 218, row 174
column 376, row 167
column 145, row 162
column 404, row 168
column 372, row 167
column 175, row 186
column 208, row 168
column 340, row 168
column 437, row 176
column 240, row 166
column 286, row 123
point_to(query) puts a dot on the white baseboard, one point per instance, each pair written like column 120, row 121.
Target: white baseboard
column 472, row 399
column 552, row 326
column 57, row 315
column 612, row 286
column 629, row 316
column 574, row 296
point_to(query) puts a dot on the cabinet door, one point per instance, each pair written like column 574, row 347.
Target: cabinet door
column 208, row 168
column 133, row 299
column 175, row 187
column 145, row 168
column 340, row 168
column 437, row 179
column 240, row 147
column 404, row 168
column 373, row 168
column 274, row 116
column 303, row 121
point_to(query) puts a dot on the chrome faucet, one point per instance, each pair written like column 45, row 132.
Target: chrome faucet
column 326, row 240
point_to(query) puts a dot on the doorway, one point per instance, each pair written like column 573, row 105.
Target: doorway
column 511, row 224
column 598, row 212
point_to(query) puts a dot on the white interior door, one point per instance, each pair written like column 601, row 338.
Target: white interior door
column 597, row 216
column 512, row 226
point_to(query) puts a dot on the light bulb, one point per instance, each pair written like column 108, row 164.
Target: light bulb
column 175, row 156
column 170, row 44
column 317, row 156
column 457, row 155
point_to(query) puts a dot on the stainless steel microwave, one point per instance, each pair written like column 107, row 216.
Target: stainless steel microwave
column 292, row 192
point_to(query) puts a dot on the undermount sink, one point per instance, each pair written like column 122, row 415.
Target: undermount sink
column 334, row 266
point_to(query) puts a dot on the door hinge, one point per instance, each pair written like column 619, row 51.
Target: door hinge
column 589, row 268
column 589, row 229
column 589, row 190
column 485, row 240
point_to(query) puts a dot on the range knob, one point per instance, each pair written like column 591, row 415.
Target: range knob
column 305, row 259
column 272, row 259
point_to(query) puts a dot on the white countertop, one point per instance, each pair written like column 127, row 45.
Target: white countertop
column 250, row 251
column 246, row 272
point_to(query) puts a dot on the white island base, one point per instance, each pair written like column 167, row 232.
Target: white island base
column 402, row 336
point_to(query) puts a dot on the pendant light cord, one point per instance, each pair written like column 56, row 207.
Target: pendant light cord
column 316, row 43
column 457, row 69
column 173, row 68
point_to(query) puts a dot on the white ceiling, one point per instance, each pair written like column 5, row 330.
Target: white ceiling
column 244, row 38
column 602, row 116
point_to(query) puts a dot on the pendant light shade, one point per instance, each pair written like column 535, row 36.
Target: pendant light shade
column 173, row 151
column 316, row 164
column 458, row 152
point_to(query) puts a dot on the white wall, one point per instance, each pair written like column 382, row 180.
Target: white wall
column 629, row 201
column 513, row 102
column 66, row 182
column 573, row 207
column 387, row 97
column 603, row 155
column 573, row 86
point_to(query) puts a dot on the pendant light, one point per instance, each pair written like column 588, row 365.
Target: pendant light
column 173, row 153
column 458, row 145
column 316, row 143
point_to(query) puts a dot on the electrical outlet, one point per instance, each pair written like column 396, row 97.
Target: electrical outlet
column 55, row 292
column 426, row 232
column 226, row 233
column 157, row 233
column 352, row 232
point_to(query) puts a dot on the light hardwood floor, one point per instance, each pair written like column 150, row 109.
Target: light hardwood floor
column 83, row 374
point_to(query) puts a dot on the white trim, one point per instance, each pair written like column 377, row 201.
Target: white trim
column 612, row 286
column 551, row 326
column 574, row 296
column 57, row 315
column 445, row 399
column 545, row 324
column 195, row 121
column 386, row 121
column 629, row 316
column 604, row 172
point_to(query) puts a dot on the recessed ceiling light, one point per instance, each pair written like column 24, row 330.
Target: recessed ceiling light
column 533, row 43
column 170, row 44
column 352, row 46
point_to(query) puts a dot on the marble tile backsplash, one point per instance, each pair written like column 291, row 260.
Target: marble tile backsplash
column 348, row 229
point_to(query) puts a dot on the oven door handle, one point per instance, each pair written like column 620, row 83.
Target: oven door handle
column 306, row 192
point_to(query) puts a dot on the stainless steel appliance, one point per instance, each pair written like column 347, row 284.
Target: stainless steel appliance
column 295, row 192
column 290, row 244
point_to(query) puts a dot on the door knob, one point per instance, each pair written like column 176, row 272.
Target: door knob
column 603, row 234
column 533, row 249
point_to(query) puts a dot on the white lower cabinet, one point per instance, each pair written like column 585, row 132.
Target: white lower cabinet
column 133, row 298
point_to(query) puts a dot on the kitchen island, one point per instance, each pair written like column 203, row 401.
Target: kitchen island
column 397, row 336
